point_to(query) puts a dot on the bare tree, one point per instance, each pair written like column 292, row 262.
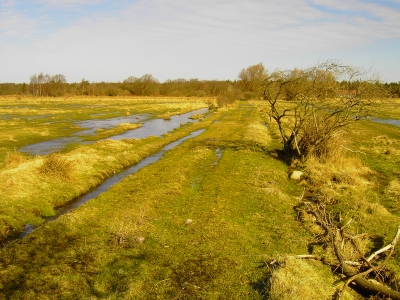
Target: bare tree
column 42, row 84
column 309, row 109
column 57, row 84
column 39, row 84
column 251, row 78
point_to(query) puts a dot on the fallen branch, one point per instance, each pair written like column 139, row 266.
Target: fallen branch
column 388, row 247
column 354, row 151
column 337, row 238
column 352, row 274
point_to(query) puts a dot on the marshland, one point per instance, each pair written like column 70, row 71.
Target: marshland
column 215, row 214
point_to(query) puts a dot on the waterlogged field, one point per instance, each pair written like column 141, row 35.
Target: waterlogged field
column 32, row 186
column 199, row 223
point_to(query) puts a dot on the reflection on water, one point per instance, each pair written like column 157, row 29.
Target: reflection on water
column 158, row 127
column 386, row 121
column 155, row 127
column 93, row 125
column 48, row 147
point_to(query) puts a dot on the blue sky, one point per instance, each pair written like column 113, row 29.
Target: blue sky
column 104, row 40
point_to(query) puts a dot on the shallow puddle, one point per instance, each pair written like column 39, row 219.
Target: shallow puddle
column 109, row 183
column 218, row 153
column 386, row 121
column 93, row 125
column 156, row 127
column 48, row 147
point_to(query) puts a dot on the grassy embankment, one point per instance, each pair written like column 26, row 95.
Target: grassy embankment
column 31, row 187
column 241, row 208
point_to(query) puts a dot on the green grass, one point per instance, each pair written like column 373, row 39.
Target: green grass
column 242, row 212
column 132, row 242
column 31, row 187
column 380, row 144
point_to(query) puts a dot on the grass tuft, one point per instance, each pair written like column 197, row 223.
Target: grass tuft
column 14, row 158
column 57, row 165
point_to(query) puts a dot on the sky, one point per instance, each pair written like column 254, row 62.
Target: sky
column 110, row 40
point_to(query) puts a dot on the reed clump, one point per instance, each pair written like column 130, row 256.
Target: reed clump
column 58, row 166
column 14, row 158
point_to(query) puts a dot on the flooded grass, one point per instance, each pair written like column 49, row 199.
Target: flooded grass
column 28, row 192
column 45, row 119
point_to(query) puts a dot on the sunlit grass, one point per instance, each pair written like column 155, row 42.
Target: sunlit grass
column 133, row 241
column 36, row 185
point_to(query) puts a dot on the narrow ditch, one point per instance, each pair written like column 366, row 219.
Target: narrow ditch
column 106, row 185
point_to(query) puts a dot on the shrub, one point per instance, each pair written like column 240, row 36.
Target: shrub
column 249, row 95
column 225, row 100
column 318, row 140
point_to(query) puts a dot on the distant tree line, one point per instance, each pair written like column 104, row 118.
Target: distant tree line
column 248, row 86
column 56, row 85
column 394, row 88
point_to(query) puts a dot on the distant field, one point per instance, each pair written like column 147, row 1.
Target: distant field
column 200, row 223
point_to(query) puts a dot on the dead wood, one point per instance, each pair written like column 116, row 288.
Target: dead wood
column 355, row 272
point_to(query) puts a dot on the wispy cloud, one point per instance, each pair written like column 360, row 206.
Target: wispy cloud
column 70, row 3
column 14, row 23
column 179, row 38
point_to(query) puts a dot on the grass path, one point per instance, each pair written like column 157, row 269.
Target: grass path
column 241, row 207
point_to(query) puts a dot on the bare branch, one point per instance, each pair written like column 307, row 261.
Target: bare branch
column 388, row 247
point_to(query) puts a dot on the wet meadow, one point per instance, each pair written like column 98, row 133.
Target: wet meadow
column 199, row 219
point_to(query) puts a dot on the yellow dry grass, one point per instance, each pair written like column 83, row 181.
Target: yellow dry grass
column 297, row 279
column 16, row 182
column 339, row 169
column 257, row 132
column 102, row 133
column 14, row 158
column 346, row 179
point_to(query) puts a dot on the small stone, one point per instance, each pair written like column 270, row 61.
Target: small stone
column 296, row 175
column 140, row 239
column 188, row 221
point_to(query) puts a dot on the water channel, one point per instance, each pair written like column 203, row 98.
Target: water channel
column 107, row 184
column 155, row 127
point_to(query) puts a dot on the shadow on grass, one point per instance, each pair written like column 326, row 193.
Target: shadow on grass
column 262, row 286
